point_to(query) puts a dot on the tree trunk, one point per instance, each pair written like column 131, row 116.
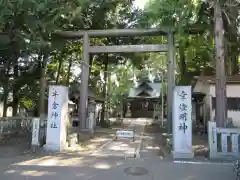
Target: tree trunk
column 15, row 101
column 221, row 112
column 90, row 63
column 107, row 103
column 42, row 88
column 183, row 65
column 5, row 90
column 69, row 71
column 231, row 41
column 59, row 70
column 234, row 39
column 104, row 90
column 231, row 54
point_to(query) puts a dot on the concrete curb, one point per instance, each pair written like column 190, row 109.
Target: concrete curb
column 203, row 163
column 138, row 149
column 137, row 152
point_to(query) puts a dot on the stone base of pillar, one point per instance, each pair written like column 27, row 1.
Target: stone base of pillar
column 182, row 155
column 34, row 148
column 54, row 147
column 72, row 139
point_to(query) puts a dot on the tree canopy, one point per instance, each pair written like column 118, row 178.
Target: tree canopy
column 31, row 58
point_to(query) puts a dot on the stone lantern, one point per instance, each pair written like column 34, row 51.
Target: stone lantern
column 69, row 122
column 71, row 106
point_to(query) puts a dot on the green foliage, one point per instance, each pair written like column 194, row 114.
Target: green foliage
column 192, row 36
column 27, row 45
column 172, row 14
column 27, row 103
column 26, row 31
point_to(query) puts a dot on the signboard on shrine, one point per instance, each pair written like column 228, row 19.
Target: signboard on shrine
column 182, row 122
column 57, row 116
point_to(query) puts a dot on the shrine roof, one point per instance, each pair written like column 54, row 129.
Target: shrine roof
column 152, row 90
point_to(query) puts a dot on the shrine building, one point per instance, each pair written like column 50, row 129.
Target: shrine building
column 145, row 99
column 205, row 107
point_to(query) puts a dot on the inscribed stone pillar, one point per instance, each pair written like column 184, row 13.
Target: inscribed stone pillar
column 35, row 132
column 182, row 122
column 57, row 118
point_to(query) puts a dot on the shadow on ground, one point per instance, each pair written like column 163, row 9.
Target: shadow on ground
column 15, row 165
column 72, row 167
column 156, row 142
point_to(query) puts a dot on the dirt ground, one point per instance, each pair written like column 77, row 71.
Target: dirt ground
column 154, row 143
column 158, row 135
column 14, row 145
column 18, row 145
column 200, row 146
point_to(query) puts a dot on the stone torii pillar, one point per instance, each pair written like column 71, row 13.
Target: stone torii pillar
column 170, row 81
column 84, row 81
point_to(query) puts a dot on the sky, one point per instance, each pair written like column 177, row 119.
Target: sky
column 140, row 3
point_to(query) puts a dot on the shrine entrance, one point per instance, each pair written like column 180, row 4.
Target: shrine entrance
column 88, row 49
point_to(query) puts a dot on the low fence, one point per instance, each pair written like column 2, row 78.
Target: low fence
column 223, row 142
column 11, row 125
column 21, row 125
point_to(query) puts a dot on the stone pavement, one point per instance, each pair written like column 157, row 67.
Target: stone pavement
column 124, row 147
column 74, row 166
column 69, row 167
column 160, row 170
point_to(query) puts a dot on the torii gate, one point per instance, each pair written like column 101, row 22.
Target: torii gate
column 88, row 49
